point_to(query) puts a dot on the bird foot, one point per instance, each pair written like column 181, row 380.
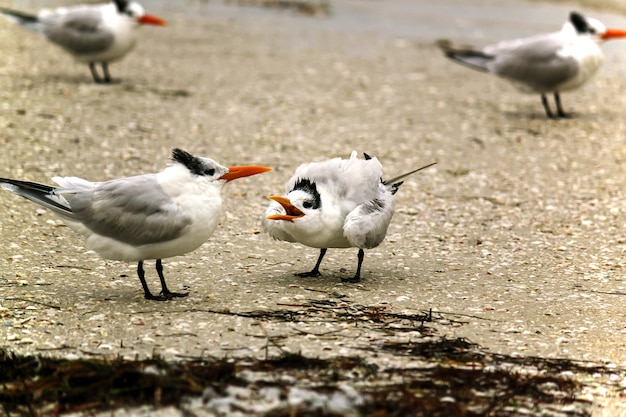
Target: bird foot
column 352, row 280
column 313, row 273
column 164, row 296
column 170, row 294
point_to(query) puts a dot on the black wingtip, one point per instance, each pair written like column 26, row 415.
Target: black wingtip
column 366, row 156
column 394, row 187
column 22, row 17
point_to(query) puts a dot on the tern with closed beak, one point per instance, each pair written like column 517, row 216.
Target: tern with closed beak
column 91, row 33
column 150, row 216
column 543, row 64
column 337, row 203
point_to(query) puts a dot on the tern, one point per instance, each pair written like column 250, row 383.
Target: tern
column 546, row 63
column 92, row 34
column 337, row 203
column 150, row 216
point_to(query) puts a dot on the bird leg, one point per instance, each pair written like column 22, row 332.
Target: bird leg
column 559, row 109
column 167, row 294
column 546, row 106
column 357, row 276
column 315, row 272
column 146, row 291
column 105, row 71
column 94, row 73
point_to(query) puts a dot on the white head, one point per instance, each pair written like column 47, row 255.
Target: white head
column 304, row 214
column 592, row 27
column 136, row 12
column 209, row 170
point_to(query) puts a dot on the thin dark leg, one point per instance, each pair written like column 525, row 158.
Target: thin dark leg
column 546, row 106
column 559, row 109
column 164, row 291
column 142, row 277
column 357, row 276
column 315, row 272
column 105, row 71
column 94, row 73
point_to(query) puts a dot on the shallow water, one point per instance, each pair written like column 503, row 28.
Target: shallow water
column 422, row 20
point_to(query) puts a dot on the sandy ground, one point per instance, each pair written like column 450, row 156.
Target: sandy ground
column 519, row 228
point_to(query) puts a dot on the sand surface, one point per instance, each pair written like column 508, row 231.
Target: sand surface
column 518, row 229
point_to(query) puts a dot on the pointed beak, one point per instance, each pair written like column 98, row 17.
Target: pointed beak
column 243, row 171
column 614, row 33
column 148, row 19
column 291, row 211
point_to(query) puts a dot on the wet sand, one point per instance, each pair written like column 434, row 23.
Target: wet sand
column 518, row 230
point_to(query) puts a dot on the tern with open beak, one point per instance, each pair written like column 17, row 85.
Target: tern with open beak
column 546, row 63
column 151, row 216
column 92, row 34
column 338, row 203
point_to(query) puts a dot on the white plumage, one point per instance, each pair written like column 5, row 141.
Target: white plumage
column 338, row 203
column 150, row 216
column 545, row 63
column 92, row 34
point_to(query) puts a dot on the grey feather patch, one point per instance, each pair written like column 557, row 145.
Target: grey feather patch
column 79, row 33
column 469, row 57
column 373, row 206
column 132, row 210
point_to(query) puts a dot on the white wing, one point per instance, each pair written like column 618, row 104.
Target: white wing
column 353, row 180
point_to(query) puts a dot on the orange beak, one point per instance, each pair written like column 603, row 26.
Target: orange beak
column 243, row 171
column 614, row 33
column 148, row 19
column 292, row 212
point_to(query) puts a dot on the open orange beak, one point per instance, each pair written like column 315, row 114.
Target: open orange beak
column 613, row 33
column 243, row 171
column 148, row 19
column 291, row 211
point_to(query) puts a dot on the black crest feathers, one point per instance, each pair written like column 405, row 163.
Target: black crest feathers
column 579, row 22
column 121, row 5
column 309, row 187
column 192, row 163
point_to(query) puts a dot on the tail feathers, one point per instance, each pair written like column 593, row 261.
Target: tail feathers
column 469, row 57
column 41, row 194
column 27, row 20
column 395, row 185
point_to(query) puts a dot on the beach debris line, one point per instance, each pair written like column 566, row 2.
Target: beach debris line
column 306, row 7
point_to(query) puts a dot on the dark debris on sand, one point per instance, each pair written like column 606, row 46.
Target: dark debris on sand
column 430, row 376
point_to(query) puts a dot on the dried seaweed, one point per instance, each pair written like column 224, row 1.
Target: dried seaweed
column 445, row 385
column 426, row 376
